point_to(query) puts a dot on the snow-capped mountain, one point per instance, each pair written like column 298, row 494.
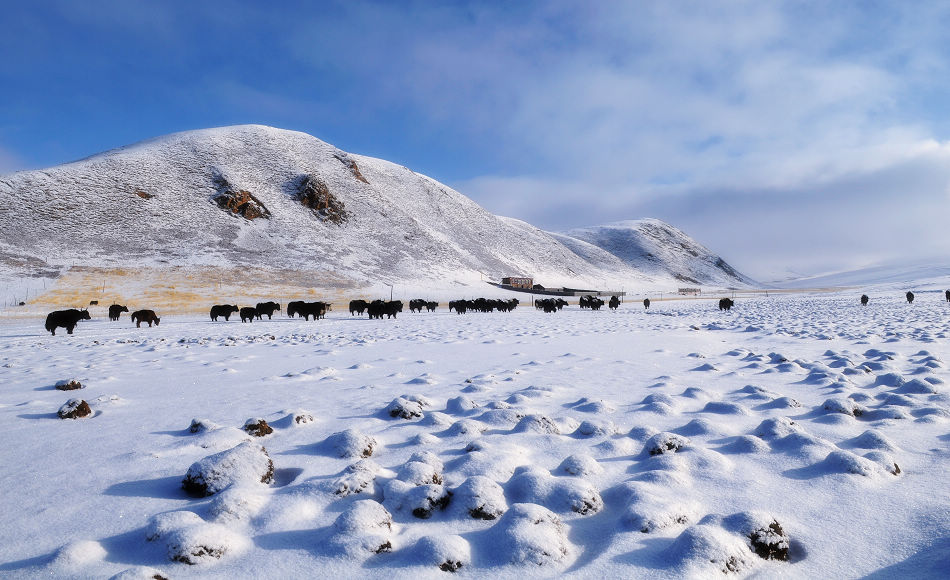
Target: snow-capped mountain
column 264, row 197
column 657, row 249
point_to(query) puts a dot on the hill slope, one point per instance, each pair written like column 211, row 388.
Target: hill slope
column 255, row 196
column 659, row 250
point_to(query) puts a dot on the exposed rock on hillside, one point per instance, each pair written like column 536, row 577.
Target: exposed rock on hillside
column 312, row 192
column 238, row 201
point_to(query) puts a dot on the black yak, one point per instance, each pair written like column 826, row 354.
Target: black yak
column 864, row 300
column 614, row 303
column 646, row 302
column 248, row 313
column 358, row 307
column 308, row 309
column 726, row 304
column 910, row 297
column 65, row 318
column 116, row 310
column 140, row 316
column 268, row 308
column 225, row 310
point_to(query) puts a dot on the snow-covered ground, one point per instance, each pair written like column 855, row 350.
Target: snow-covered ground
column 802, row 422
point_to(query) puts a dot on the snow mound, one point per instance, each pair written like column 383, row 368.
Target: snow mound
column 479, row 497
column 532, row 534
column 532, row 485
column 246, row 464
column 364, row 528
column 449, row 553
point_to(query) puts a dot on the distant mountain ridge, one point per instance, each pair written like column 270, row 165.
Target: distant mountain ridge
column 252, row 195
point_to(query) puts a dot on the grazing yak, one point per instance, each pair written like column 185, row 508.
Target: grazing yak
column 592, row 302
column 646, row 302
column 910, row 297
column 614, row 303
column 416, row 305
column 268, row 308
column 248, row 313
column 460, row 306
column 726, row 304
column 225, row 310
column 140, row 316
column 115, row 311
column 65, row 318
column 307, row 309
column 864, row 300
column 431, row 306
column 358, row 307
column 377, row 308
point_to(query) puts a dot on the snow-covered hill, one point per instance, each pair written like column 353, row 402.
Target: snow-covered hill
column 658, row 249
column 258, row 196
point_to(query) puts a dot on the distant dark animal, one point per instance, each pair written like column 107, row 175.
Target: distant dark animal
column 116, row 310
column 726, row 304
column 268, row 308
column 65, row 318
column 910, row 297
column 225, row 310
column 140, row 316
column 592, row 302
column 460, row 306
column 646, row 302
column 431, row 306
column 22, row 303
column 358, row 307
column 93, row 303
column 293, row 308
column 548, row 305
column 864, row 300
column 614, row 303
column 248, row 313
column 416, row 305
column 307, row 309
column 948, row 297
column 377, row 308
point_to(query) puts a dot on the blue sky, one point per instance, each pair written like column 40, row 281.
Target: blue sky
column 804, row 136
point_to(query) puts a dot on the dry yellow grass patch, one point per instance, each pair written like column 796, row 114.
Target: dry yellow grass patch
column 188, row 290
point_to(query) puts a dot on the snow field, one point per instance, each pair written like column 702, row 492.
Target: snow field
column 679, row 441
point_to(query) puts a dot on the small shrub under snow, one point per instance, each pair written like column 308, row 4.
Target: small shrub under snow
column 532, row 485
column 350, row 443
column 449, row 553
column 191, row 540
column 248, row 463
column 364, row 528
column 480, row 497
column 537, row 424
column 74, row 409
column 257, row 427
column 531, row 534
column 580, row 464
column 68, row 385
column 357, row 478
column 419, row 500
column 664, row 442
column 402, row 408
column 202, row 426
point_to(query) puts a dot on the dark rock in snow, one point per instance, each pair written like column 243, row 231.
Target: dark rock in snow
column 74, row 409
column 258, row 427
column 68, row 385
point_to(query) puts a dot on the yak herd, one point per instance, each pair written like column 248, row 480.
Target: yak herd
column 68, row 319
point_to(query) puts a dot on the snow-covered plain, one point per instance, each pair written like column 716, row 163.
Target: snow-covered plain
column 806, row 411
